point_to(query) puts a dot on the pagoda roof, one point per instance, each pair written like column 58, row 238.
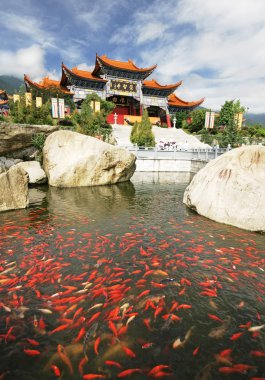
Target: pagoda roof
column 81, row 74
column 175, row 101
column 154, row 84
column 46, row 83
column 120, row 65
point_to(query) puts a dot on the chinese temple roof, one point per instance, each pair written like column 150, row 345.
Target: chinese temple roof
column 154, row 84
column 82, row 74
column 175, row 101
column 120, row 65
column 45, row 83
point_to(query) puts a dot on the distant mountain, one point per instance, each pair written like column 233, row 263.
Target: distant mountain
column 252, row 118
column 10, row 84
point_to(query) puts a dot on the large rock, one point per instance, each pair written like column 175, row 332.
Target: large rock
column 16, row 139
column 13, row 189
column 231, row 189
column 36, row 173
column 71, row 159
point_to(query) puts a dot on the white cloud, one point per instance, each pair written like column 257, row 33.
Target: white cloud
column 85, row 67
column 27, row 26
column 23, row 61
column 196, row 38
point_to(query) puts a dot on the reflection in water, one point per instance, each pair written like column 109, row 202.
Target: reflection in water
column 124, row 281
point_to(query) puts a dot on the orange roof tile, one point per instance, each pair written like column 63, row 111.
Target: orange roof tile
column 129, row 65
column 46, row 83
column 83, row 74
column 173, row 100
column 2, row 102
column 154, row 84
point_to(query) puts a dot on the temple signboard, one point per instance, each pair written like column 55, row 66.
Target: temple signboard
column 123, row 87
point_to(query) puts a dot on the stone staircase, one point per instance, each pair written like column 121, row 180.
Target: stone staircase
column 121, row 134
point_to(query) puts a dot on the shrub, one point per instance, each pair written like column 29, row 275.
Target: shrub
column 141, row 133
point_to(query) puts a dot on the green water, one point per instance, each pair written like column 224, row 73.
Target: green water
column 132, row 256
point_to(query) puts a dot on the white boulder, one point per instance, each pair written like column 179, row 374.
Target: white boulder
column 231, row 189
column 36, row 173
column 13, row 189
column 71, row 159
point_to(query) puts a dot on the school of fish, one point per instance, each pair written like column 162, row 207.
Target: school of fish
column 78, row 302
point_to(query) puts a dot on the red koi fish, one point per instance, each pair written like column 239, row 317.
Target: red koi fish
column 81, row 364
column 236, row 336
column 195, row 352
column 92, row 376
column 128, row 372
column 157, row 369
column 31, row 352
column 32, row 342
column 55, row 370
column 259, row 354
column 113, row 363
column 96, row 344
column 128, row 351
column 215, row 318
column 63, row 355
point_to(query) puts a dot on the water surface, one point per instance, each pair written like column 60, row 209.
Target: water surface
column 127, row 274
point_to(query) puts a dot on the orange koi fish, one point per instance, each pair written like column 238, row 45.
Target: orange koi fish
column 31, row 352
column 92, row 376
column 96, row 344
column 128, row 372
column 63, row 355
column 128, row 351
column 113, row 363
column 55, row 370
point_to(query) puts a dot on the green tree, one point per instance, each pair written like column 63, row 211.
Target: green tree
column 93, row 123
column 30, row 114
column 198, row 120
column 180, row 116
column 227, row 113
column 229, row 110
column 206, row 136
column 230, row 136
column 141, row 133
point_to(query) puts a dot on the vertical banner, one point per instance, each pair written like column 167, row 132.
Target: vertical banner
column 54, row 108
column 209, row 119
column 61, row 109
column 97, row 106
column 28, row 98
column 38, row 102
column 16, row 98
column 211, row 123
column 239, row 120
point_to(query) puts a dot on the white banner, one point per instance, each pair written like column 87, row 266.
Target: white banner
column 54, row 108
column 61, row 109
column 209, row 119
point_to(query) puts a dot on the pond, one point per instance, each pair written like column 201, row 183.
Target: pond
column 124, row 281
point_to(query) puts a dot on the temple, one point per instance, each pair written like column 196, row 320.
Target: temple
column 123, row 83
column 3, row 102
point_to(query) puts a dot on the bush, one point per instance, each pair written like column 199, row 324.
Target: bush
column 93, row 123
column 141, row 133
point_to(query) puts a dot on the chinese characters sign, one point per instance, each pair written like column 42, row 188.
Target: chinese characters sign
column 123, row 86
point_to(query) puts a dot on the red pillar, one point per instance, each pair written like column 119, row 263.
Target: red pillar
column 141, row 110
column 168, row 121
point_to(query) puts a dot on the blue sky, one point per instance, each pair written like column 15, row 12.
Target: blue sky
column 216, row 47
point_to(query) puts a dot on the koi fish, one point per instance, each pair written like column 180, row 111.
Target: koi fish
column 63, row 355
column 55, row 370
column 31, row 352
column 128, row 372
